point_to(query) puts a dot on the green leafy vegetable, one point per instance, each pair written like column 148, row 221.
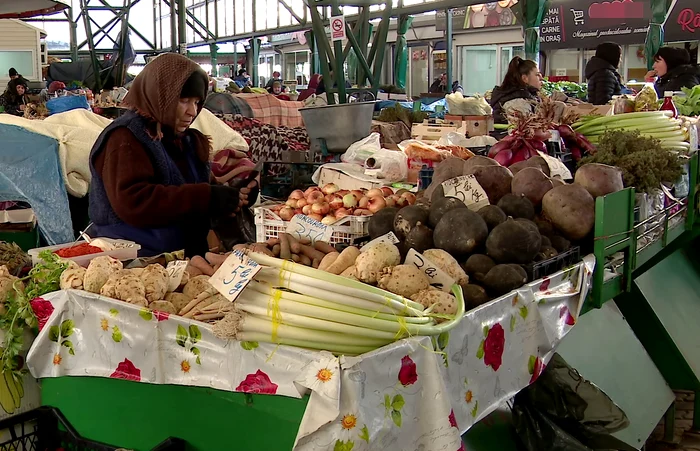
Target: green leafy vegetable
column 571, row 89
column 688, row 105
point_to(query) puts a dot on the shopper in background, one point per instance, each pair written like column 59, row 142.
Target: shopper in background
column 604, row 81
column 276, row 76
column 311, row 88
column 13, row 74
column 522, row 81
column 439, row 85
column 242, row 79
column 674, row 71
column 15, row 99
column 150, row 170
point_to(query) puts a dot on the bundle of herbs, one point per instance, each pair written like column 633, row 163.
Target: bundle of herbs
column 644, row 163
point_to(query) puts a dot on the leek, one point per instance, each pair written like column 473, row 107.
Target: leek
column 646, row 115
column 349, row 350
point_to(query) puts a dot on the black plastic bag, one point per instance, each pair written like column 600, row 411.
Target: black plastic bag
column 239, row 229
column 564, row 412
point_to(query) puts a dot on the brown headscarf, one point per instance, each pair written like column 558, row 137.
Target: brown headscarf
column 155, row 92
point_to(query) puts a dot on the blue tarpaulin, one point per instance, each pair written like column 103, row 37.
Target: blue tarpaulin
column 30, row 172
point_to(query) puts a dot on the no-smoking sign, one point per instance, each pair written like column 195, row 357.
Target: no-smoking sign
column 337, row 28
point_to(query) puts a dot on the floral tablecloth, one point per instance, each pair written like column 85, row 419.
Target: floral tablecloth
column 416, row 394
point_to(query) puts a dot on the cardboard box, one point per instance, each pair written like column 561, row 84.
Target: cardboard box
column 344, row 181
column 472, row 125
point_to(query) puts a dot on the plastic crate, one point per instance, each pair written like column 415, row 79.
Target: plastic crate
column 269, row 225
column 46, row 429
column 544, row 268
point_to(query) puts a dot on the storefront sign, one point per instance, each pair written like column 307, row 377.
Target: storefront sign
column 488, row 15
column 587, row 23
column 683, row 23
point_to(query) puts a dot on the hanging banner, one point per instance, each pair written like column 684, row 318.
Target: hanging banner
column 587, row 23
column 683, row 22
column 486, row 15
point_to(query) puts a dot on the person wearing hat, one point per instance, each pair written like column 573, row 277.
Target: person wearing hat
column 150, row 170
column 674, row 71
column 15, row 98
column 604, row 81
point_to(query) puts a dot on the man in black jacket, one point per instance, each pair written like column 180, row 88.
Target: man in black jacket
column 601, row 72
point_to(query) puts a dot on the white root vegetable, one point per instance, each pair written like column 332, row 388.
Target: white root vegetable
column 404, row 280
column 155, row 280
column 196, row 285
column 448, row 264
column 72, row 279
column 179, row 300
column 328, row 261
column 370, row 263
column 345, row 260
column 98, row 271
column 350, row 273
column 6, row 282
column 442, row 302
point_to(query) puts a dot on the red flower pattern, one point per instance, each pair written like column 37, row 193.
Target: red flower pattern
column 494, row 346
column 127, row 371
column 462, row 448
column 161, row 316
column 259, row 383
column 565, row 313
column 407, row 373
column 42, row 310
column 453, row 421
column 539, row 368
column 545, row 284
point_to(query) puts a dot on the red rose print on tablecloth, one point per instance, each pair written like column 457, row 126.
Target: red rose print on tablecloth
column 565, row 313
column 42, row 310
column 544, row 285
column 407, row 373
column 259, row 383
column 462, row 448
column 535, row 367
column 161, row 316
column 127, row 371
column 492, row 347
column 453, row 420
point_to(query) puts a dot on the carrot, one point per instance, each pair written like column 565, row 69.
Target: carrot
column 345, row 260
column 294, row 245
column 328, row 261
column 285, row 253
column 304, row 260
column 276, row 250
column 324, row 247
column 272, row 241
column 296, row 258
column 316, row 263
column 312, row 253
column 201, row 264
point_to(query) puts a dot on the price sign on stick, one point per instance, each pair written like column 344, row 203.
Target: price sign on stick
column 303, row 227
column 437, row 277
column 234, row 275
column 175, row 269
column 466, row 189
column 389, row 238
column 556, row 167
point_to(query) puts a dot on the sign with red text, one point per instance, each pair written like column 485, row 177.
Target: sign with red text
column 683, row 21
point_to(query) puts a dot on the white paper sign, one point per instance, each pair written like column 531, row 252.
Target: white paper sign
column 437, row 277
column 175, row 269
column 303, row 227
column 466, row 189
column 234, row 274
column 556, row 167
column 337, row 28
column 389, row 238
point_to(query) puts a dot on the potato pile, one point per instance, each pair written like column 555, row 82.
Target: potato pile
column 147, row 287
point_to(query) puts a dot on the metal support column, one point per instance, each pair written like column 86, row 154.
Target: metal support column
column 214, row 60
column 254, row 60
column 448, row 49
column 73, row 24
column 173, row 27
column 182, row 27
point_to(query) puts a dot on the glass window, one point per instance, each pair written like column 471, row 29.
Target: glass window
column 565, row 61
column 479, row 68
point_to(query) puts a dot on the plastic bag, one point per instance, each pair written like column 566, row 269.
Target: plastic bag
column 387, row 165
column 459, row 105
column 360, row 151
column 67, row 103
column 239, row 229
column 562, row 411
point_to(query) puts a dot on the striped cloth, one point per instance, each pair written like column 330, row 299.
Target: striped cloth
column 268, row 109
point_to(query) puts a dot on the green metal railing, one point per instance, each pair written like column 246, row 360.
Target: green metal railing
column 624, row 248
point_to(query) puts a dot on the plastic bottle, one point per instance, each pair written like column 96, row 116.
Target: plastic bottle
column 668, row 104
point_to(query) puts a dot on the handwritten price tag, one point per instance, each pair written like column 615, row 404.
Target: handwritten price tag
column 466, row 189
column 234, row 275
column 389, row 238
column 556, row 167
column 175, row 269
column 303, row 227
column 437, row 277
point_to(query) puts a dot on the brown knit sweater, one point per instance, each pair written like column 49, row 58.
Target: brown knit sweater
column 128, row 175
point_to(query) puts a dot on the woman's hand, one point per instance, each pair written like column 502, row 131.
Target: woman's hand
column 243, row 193
column 650, row 77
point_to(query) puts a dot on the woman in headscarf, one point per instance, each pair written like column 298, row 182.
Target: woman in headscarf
column 150, row 170
column 674, row 71
column 604, row 81
column 15, row 98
